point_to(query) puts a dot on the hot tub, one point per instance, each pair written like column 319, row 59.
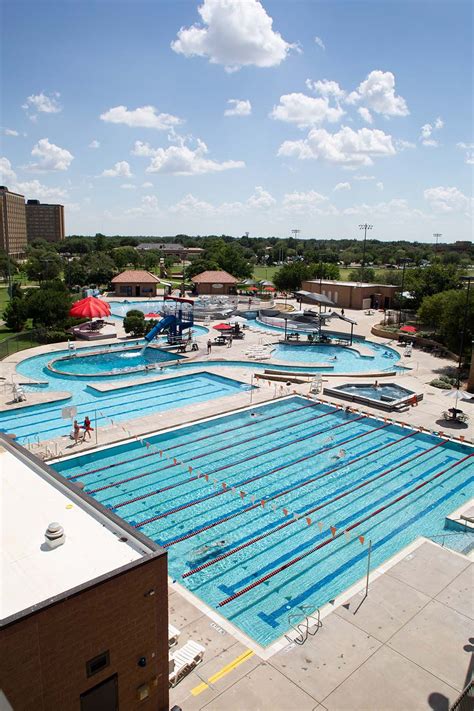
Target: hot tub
column 388, row 396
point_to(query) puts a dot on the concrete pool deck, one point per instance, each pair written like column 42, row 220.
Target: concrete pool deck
column 407, row 647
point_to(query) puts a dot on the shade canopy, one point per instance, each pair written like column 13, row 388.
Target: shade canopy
column 90, row 307
column 265, row 282
column 408, row 329
column 315, row 298
column 222, row 327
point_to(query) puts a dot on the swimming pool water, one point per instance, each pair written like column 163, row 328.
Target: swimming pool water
column 395, row 392
column 110, row 361
column 272, row 454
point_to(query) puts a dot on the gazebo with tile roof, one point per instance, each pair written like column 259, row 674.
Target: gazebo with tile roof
column 215, row 282
column 135, row 282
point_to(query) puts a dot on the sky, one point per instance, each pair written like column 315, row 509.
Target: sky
column 161, row 117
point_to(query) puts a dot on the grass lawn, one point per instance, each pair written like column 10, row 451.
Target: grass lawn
column 264, row 273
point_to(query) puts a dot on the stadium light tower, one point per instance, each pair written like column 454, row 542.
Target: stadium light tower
column 437, row 235
column 364, row 227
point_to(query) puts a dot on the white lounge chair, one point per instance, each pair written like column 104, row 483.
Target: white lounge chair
column 173, row 635
column 184, row 660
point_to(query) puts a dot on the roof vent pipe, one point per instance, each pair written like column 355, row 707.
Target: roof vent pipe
column 54, row 535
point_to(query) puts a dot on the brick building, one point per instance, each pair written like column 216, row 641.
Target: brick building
column 354, row 295
column 44, row 221
column 135, row 282
column 84, row 608
column 13, row 237
column 216, row 283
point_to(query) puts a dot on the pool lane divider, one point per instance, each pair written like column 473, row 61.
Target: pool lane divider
column 193, row 459
column 225, row 466
column 336, row 536
column 258, row 476
column 198, row 439
column 300, row 485
column 306, row 514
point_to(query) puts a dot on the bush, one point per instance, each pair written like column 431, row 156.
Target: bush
column 441, row 384
column 15, row 314
column 51, row 335
column 447, row 379
column 136, row 312
column 135, row 326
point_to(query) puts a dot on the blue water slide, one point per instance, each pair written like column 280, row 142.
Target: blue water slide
column 167, row 322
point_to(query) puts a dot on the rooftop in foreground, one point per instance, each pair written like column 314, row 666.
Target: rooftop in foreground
column 96, row 543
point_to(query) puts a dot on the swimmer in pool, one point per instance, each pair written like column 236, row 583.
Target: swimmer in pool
column 208, row 548
column 340, row 455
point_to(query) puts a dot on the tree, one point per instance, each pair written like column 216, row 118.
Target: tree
column 43, row 264
column 444, row 313
column 431, row 280
column 290, row 276
column 49, row 305
column 100, row 268
column 123, row 256
column 325, row 271
column 5, row 261
column 16, row 314
column 366, row 274
column 134, row 324
column 202, row 264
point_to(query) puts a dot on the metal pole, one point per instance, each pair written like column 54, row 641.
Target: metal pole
column 367, row 579
column 96, row 433
column 401, row 294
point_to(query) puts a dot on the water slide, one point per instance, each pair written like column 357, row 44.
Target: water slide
column 170, row 322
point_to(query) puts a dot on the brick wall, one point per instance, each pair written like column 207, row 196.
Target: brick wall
column 43, row 657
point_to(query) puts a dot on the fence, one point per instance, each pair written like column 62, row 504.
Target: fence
column 18, row 342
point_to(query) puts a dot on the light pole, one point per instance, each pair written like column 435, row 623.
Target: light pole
column 468, row 280
column 364, row 227
column 404, row 262
column 437, row 235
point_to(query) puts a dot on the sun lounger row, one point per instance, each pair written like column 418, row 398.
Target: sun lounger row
column 184, row 660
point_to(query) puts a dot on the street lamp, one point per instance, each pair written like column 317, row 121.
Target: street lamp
column 404, row 262
column 364, row 227
column 468, row 280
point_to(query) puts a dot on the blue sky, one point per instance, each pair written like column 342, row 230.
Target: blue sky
column 227, row 116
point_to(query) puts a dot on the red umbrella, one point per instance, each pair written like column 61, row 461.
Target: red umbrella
column 152, row 315
column 251, row 288
column 222, row 327
column 269, row 288
column 91, row 307
column 408, row 329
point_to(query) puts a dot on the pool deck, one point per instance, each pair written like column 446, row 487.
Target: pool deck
column 408, row 646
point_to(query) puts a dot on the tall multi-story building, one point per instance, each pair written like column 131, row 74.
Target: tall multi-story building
column 13, row 238
column 44, row 221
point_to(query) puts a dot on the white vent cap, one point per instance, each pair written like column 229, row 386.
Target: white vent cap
column 54, row 535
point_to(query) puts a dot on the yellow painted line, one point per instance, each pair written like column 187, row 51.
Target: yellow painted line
column 222, row 672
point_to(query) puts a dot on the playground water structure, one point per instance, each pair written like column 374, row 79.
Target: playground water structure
column 261, row 510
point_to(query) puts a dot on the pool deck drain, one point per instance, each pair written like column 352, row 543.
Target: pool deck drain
column 407, row 647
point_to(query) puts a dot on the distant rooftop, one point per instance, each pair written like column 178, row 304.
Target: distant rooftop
column 32, row 498
column 344, row 283
column 214, row 277
column 135, row 275
column 168, row 247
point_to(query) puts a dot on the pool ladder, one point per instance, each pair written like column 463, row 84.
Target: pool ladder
column 302, row 629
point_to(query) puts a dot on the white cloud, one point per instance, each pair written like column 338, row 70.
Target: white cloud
column 402, row 145
column 121, row 169
column 427, row 130
column 306, row 110
column 341, row 186
column 182, row 160
column 144, row 150
column 398, row 210
column 310, row 202
column 149, row 207
column 235, row 33
column 10, row 132
column 379, row 186
column 191, row 204
column 35, row 190
column 6, row 171
column 42, row 103
column 94, row 144
column 325, row 87
column 142, row 117
column 261, row 199
column 147, row 184
column 50, row 157
column 240, row 107
column 446, row 199
column 128, row 186
column 365, row 114
column 377, row 92
column 468, row 147
column 319, row 42
column 364, row 177
column 346, row 147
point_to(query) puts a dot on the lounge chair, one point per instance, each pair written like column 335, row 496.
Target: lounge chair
column 173, row 635
column 184, row 660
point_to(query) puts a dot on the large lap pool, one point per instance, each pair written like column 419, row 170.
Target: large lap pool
column 255, row 505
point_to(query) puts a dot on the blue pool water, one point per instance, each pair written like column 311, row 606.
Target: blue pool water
column 272, row 453
column 112, row 361
column 40, row 422
column 392, row 391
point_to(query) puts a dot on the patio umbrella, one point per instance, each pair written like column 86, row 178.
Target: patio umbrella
column 458, row 394
column 408, row 329
column 152, row 315
column 269, row 288
column 222, row 327
column 251, row 288
column 90, row 307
